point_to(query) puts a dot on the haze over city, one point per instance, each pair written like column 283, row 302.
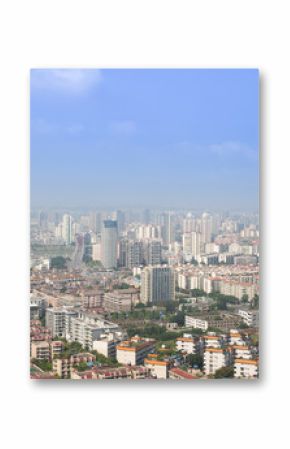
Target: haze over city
column 145, row 138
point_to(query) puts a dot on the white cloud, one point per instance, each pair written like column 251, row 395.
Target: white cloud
column 232, row 149
column 123, row 127
column 73, row 81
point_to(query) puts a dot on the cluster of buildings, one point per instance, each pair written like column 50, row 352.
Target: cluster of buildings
column 232, row 349
column 146, row 259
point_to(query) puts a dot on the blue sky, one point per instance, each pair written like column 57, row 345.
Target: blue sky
column 122, row 138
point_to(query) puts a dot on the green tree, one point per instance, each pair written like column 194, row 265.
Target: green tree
column 58, row 262
column 225, row 372
column 195, row 359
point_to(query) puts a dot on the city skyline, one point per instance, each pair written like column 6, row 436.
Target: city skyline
column 127, row 139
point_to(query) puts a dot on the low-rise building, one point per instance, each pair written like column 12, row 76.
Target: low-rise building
column 40, row 350
column 135, row 350
column 124, row 372
column 241, row 351
column 248, row 369
column 250, row 317
column 179, row 374
column 188, row 344
column 158, row 368
column 117, row 301
column 196, row 323
column 62, row 366
column 213, row 341
column 107, row 344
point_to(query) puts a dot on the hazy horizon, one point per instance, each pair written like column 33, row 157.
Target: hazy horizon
column 145, row 138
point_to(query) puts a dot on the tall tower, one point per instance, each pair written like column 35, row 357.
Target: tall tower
column 109, row 244
column 67, row 229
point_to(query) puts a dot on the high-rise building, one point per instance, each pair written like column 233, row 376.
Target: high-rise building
column 109, row 236
column 120, row 217
column 152, row 252
column 157, row 284
column 133, row 253
column 206, row 228
column 196, row 244
column 43, row 220
column 188, row 224
column 168, row 233
column 191, row 242
column 67, row 229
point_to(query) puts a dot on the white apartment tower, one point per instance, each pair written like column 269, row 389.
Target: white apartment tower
column 67, row 229
column 206, row 228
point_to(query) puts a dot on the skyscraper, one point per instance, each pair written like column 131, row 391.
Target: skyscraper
column 206, row 228
column 67, row 229
column 109, row 244
column 120, row 217
column 168, row 233
column 191, row 242
column 157, row 285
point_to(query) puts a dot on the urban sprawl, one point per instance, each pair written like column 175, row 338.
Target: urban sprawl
column 144, row 294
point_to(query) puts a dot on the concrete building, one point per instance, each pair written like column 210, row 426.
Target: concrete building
column 196, row 323
column 40, row 350
column 168, row 229
column 58, row 320
column 188, row 344
column 215, row 359
column 86, row 329
column 109, row 237
column 246, row 369
column 158, row 368
column 157, row 284
column 117, row 301
column 67, row 229
column 250, row 317
column 135, row 350
column 107, row 344
column 56, row 348
column 206, row 228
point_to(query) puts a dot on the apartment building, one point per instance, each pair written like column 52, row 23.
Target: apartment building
column 250, row 317
column 188, row 344
column 241, row 352
column 56, row 348
column 117, row 301
column 58, row 320
column 85, row 329
column 213, row 341
column 62, row 366
column 246, row 369
column 135, row 350
column 215, row 359
column 158, row 368
column 107, row 344
column 196, row 323
column 40, row 350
